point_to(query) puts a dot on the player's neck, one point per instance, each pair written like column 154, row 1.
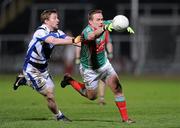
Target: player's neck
column 50, row 28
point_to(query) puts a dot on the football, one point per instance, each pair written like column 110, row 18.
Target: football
column 120, row 22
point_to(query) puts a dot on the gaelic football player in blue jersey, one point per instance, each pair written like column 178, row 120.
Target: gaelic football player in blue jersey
column 36, row 61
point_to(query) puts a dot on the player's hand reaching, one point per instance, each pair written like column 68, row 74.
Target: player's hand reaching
column 108, row 27
column 77, row 39
column 130, row 30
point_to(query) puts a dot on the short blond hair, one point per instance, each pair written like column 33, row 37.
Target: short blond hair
column 92, row 12
column 46, row 14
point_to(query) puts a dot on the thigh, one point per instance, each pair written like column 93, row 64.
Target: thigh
column 106, row 71
column 40, row 81
column 90, row 78
column 110, row 77
column 48, row 87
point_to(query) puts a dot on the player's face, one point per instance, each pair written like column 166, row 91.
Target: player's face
column 97, row 20
column 53, row 21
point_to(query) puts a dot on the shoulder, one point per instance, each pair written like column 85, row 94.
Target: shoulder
column 87, row 29
column 43, row 28
column 41, row 31
column 107, row 21
column 61, row 34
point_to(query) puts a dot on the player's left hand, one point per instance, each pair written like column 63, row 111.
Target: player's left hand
column 78, row 39
column 108, row 27
column 130, row 30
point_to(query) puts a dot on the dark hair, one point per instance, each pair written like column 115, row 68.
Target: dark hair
column 46, row 14
column 92, row 12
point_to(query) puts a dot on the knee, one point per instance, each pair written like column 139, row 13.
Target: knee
column 117, row 88
column 92, row 97
column 50, row 97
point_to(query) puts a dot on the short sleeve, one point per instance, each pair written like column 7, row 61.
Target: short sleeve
column 107, row 22
column 110, row 39
column 41, row 34
column 61, row 34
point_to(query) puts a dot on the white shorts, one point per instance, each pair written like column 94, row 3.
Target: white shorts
column 41, row 81
column 91, row 77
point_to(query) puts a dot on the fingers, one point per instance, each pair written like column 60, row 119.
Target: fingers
column 130, row 30
column 78, row 39
column 108, row 27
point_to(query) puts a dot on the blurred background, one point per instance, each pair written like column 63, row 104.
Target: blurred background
column 153, row 49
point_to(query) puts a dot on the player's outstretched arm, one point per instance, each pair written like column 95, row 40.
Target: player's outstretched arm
column 59, row 41
column 96, row 33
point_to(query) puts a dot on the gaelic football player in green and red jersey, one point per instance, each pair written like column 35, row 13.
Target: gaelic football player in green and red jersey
column 95, row 66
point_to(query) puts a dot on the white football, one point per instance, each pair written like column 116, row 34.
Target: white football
column 120, row 22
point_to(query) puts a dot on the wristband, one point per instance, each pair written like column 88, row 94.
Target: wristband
column 73, row 40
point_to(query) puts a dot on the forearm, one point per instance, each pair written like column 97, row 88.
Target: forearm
column 58, row 41
column 109, row 47
column 96, row 33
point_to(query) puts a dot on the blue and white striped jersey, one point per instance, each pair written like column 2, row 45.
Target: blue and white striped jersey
column 39, row 51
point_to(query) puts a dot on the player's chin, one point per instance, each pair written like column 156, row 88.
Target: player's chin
column 56, row 27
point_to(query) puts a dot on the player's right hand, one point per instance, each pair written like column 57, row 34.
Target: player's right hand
column 78, row 39
column 108, row 27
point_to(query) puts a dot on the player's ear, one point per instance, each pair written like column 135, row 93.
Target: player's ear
column 46, row 21
column 90, row 22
